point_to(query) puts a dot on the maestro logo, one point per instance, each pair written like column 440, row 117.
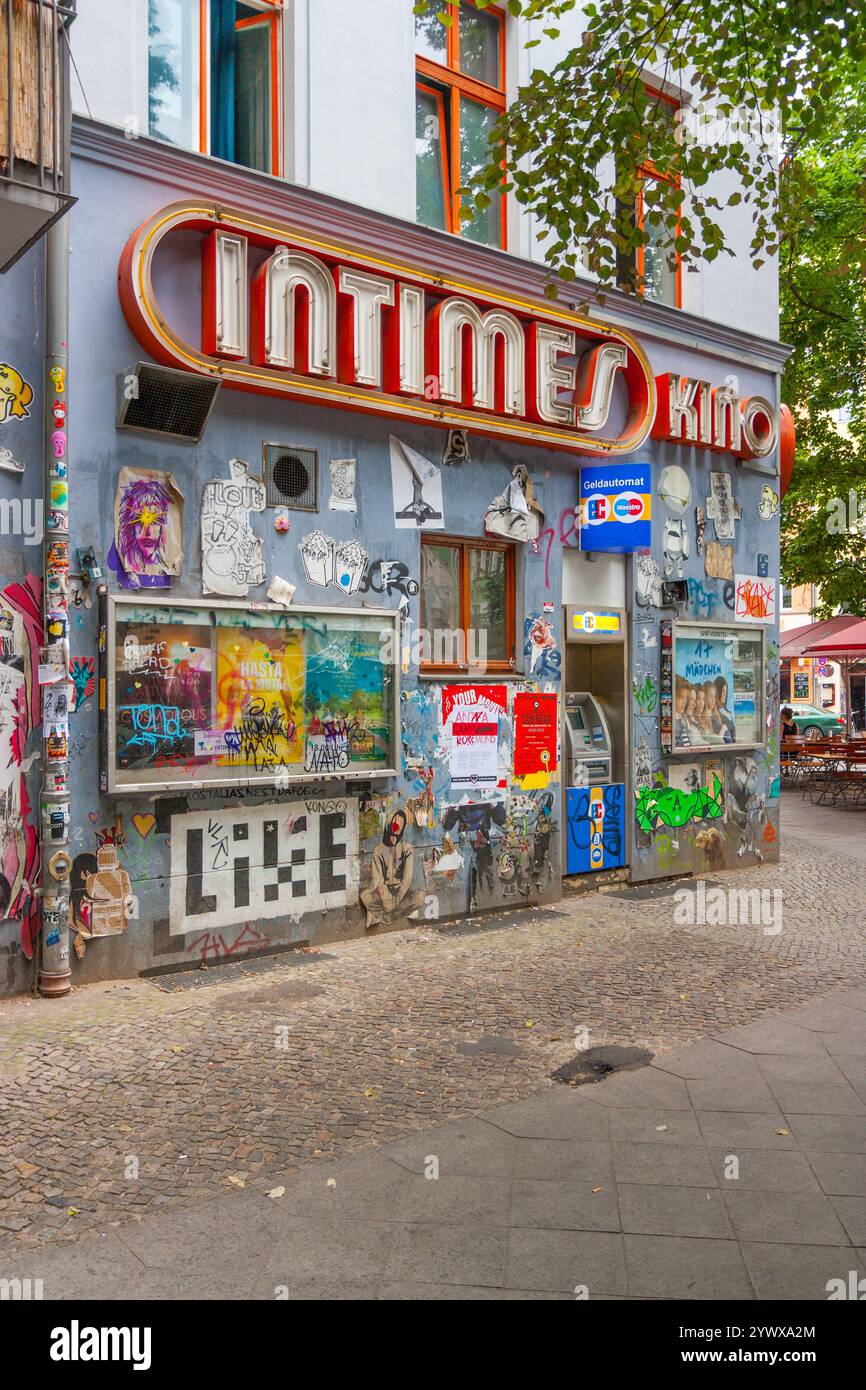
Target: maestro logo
column 627, row 507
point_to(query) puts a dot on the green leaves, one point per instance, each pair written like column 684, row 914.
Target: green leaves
column 585, row 124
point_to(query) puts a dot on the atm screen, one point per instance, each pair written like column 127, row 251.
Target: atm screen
column 575, row 719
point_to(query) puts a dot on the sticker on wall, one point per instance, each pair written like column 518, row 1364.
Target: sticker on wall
column 723, row 509
column 56, row 702
column 8, row 463
column 544, row 660
column 82, row 670
column 329, row 562
column 305, row 852
column 719, row 560
column 457, row 448
column 763, row 566
column 746, row 809
column 769, row 503
column 417, row 488
column 700, row 528
column 674, row 489
column 103, row 903
column 391, row 894
column 754, row 599
column 231, row 553
column 515, row 513
column 675, row 543
column 686, row 777
column 281, row 591
column 148, row 529
column 343, row 473
column 16, row 394
column 648, row 580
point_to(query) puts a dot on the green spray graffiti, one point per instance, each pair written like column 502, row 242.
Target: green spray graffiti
column 645, row 694
column 674, row 807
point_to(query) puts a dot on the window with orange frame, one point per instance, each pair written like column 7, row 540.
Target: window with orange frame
column 658, row 264
column 460, row 92
column 215, row 78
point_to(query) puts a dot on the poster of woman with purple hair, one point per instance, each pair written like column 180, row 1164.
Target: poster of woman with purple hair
column 148, row 529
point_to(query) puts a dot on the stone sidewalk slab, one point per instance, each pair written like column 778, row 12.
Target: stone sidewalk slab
column 650, row 1184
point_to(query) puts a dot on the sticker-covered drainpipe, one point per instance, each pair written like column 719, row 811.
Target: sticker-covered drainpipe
column 55, row 975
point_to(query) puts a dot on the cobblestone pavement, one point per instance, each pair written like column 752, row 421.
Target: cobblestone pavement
column 125, row 1099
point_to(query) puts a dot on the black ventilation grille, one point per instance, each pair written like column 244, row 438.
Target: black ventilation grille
column 165, row 402
column 291, row 476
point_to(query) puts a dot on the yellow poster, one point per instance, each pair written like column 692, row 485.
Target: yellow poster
column 260, row 696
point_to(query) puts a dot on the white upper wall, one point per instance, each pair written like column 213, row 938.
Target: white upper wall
column 349, row 122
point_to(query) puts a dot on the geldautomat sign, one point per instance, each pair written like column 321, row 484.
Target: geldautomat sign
column 616, row 508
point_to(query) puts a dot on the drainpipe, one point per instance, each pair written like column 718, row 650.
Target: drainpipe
column 55, row 975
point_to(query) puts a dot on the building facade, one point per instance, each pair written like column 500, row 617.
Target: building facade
column 396, row 590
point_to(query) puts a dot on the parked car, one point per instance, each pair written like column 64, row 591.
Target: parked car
column 817, row 723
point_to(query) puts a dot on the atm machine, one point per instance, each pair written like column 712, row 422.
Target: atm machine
column 594, row 736
column 588, row 747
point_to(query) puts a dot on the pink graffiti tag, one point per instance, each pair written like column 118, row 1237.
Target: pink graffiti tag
column 566, row 532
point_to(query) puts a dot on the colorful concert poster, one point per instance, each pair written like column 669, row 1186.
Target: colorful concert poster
column 260, row 695
column 163, row 684
column 346, row 696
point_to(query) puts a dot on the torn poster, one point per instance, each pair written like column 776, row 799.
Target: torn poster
column 474, row 762
column 20, row 637
column 515, row 513
column 417, row 488
column 148, row 529
column 281, row 591
column 722, row 507
column 474, row 703
column 231, row 552
column 343, row 472
column 719, row 560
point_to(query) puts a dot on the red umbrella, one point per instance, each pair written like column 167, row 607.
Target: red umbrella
column 850, row 643
column 848, row 647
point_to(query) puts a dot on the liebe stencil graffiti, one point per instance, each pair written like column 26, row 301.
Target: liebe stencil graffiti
column 254, row 862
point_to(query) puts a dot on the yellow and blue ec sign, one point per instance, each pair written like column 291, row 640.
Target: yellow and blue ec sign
column 616, row 508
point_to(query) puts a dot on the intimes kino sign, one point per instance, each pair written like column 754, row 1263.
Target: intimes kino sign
column 288, row 314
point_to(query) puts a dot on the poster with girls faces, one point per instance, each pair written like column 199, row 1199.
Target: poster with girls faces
column 703, row 689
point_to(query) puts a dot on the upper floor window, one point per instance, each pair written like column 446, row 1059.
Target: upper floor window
column 460, row 92
column 659, row 272
column 214, row 78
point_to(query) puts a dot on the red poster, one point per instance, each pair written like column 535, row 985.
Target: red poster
column 535, row 734
column 474, row 701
